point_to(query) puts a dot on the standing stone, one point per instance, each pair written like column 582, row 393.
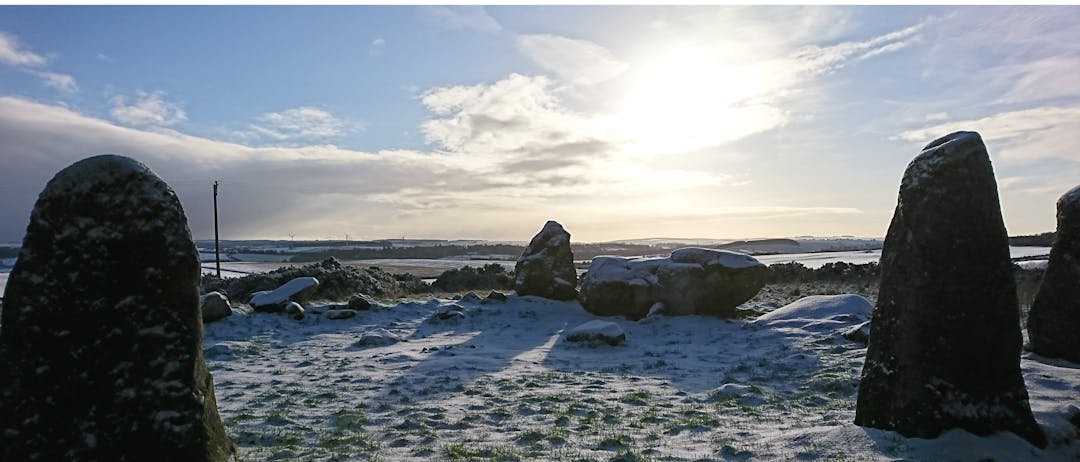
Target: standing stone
column 944, row 351
column 100, row 333
column 1054, row 320
column 546, row 268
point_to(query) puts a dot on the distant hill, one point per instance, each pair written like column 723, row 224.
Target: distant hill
column 1039, row 240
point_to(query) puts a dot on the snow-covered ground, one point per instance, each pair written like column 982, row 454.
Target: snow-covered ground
column 501, row 383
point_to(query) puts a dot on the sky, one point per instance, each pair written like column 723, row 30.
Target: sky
column 467, row 122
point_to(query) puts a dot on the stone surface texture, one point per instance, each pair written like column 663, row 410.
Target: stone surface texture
column 1054, row 320
column 546, row 267
column 944, row 349
column 100, row 333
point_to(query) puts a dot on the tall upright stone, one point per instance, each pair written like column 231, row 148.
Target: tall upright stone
column 1054, row 320
column 944, row 349
column 100, row 332
column 546, row 267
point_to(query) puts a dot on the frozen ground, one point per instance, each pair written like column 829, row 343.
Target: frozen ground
column 501, row 383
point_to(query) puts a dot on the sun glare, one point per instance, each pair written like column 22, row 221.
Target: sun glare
column 689, row 98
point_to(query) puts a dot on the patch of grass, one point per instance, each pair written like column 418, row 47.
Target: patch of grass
column 465, row 451
column 637, row 398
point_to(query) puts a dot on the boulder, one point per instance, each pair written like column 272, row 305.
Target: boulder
column 597, row 331
column 944, row 351
column 214, row 306
column 449, row 314
column 546, row 267
column 359, row 303
column 294, row 310
column 100, row 332
column 691, row 281
column 377, row 337
column 495, row 296
column 340, row 314
column 268, row 300
column 1054, row 320
column 819, row 313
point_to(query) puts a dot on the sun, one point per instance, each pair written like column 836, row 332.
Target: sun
column 689, row 97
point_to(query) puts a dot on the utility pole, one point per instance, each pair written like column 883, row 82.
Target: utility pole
column 217, row 242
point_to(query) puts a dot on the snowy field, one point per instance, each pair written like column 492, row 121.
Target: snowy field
column 503, row 384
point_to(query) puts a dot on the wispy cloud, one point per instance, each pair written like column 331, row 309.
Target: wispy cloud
column 473, row 18
column 146, row 109
column 578, row 61
column 14, row 53
column 62, row 82
column 1036, row 133
column 376, row 48
column 305, row 123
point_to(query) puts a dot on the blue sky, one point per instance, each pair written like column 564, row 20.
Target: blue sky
column 472, row 122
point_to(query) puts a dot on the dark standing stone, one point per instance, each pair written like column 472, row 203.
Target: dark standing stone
column 1054, row 320
column 546, row 267
column 944, row 351
column 100, row 332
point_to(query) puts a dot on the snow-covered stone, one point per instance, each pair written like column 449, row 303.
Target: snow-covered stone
column 819, row 312
column 377, row 337
column 597, row 331
column 452, row 313
column 546, row 267
column 295, row 310
column 100, row 346
column 214, row 306
column 945, row 345
column 281, row 295
column 691, row 281
column 859, row 333
column 1054, row 320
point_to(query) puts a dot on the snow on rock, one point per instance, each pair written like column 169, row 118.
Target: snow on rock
column 945, row 341
column 818, row 312
column 597, row 331
column 281, row 295
column 859, row 333
column 1054, row 321
column 100, row 347
column 214, row 306
column 710, row 257
column 295, row 310
column 691, row 281
column 546, row 267
column 377, row 337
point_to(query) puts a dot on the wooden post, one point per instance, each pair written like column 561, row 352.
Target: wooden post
column 217, row 243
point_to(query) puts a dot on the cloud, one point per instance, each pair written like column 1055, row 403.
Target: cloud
column 147, row 109
column 473, row 18
column 1022, row 135
column 376, row 48
column 303, row 123
column 578, row 61
column 816, row 60
column 516, row 124
column 12, row 53
column 62, row 82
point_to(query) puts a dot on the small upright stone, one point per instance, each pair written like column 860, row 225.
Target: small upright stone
column 1054, row 320
column 546, row 268
column 100, row 332
column 944, row 351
